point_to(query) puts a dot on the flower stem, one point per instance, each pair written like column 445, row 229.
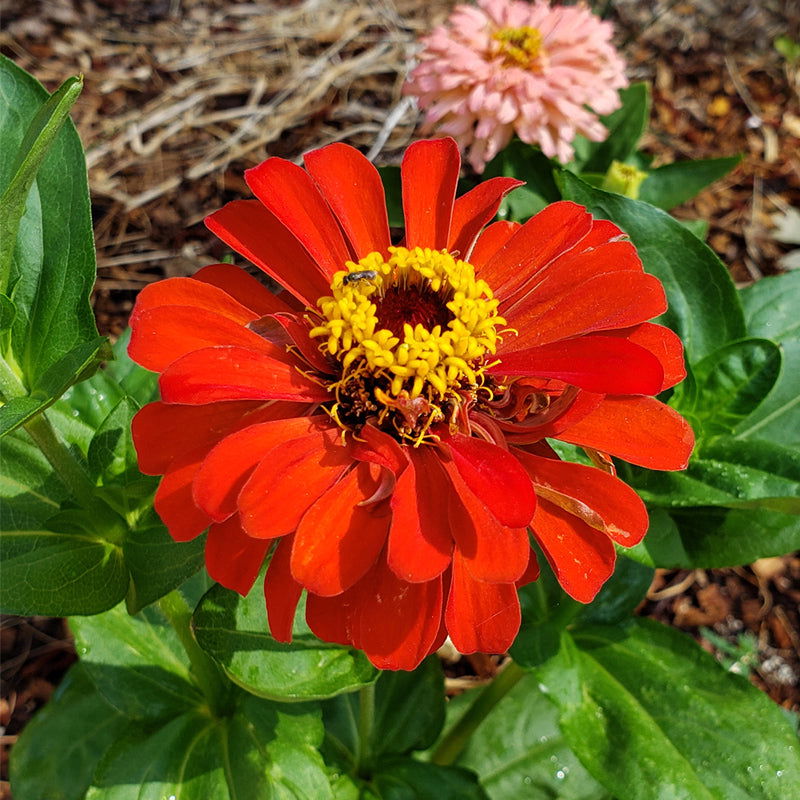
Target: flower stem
column 209, row 676
column 456, row 740
column 366, row 723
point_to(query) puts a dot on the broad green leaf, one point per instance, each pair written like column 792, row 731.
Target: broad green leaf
column 394, row 196
column 53, row 265
column 728, row 472
column 705, row 538
column 703, row 305
column 771, row 311
column 137, row 382
column 529, row 164
column 68, row 565
column 136, row 663
column 625, row 127
column 409, row 714
column 728, row 386
column 406, row 779
column 651, row 715
column 699, row 227
column 233, row 630
column 518, row 750
column 73, row 367
column 157, row 564
column 7, row 313
column 620, row 594
column 30, row 491
column 32, row 149
column 261, row 750
column 716, row 537
column 673, row 184
column 111, row 452
column 60, row 748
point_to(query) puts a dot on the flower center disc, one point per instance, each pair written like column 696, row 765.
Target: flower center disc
column 520, row 47
column 413, row 333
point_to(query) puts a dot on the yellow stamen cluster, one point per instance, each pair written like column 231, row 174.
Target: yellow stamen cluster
column 520, row 47
column 420, row 362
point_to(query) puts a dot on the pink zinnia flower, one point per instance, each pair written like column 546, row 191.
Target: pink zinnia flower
column 508, row 66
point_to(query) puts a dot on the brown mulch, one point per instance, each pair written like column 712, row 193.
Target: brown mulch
column 182, row 95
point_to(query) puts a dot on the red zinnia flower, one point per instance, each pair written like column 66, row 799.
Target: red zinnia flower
column 383, row 423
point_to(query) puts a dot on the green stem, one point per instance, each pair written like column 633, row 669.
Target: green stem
column 61, row 459
column 67, row 467
column 209, row 676
column 366, row 724
column 456, row 740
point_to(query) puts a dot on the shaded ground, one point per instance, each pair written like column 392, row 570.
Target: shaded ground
column 182, row 95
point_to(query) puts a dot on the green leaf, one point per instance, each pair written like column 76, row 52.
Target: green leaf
column 703, row 305
column 409, row 714
column 406, row 779
column 728, row 472
column 233, row 630
column 673, row 184
column 53, row 264
column 136, row 663
column 652, row 715
column 729, row 385
column 138, row 383
column 621, row 593
column 625, row 127
column 529, row 164
column 715, row 537
column 7, row 313
column 771, row 312
column 157, row 564
column 261, row 750
column 30, row 491
column 76, row 365
column 518, row 750
column 63, row 567
column 60, row 748
column 32, row 150
column 698, row 227
column 394, row 195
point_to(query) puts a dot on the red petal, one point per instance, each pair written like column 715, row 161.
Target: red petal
column 193, row 293
column 289, row 479
column 602, row 231
column 229, row 464
column 495, row 477
column 395, row 623
column 353, row 189
column 233, row 558
column 480, row 617
column 602, row 364
column 475, row 209
column 491, row 552
column 289, row 193
column 329, row 617
column 572, row 269
column 242, row 287
column 608, row 301
column 531, row 573
column 235, row 373
column 338, row 540
column 420, row 541
column 638, row 429
column 297, row 329
column 553, row 231
column 493, row 239
column 173, row 500
column 162, row 335
column 258, row 235
column 664, row 344
column 377, row 447
column 162, row 432
column 581, row 557
column 599, row 499
column 429, row 174
column 281, row 592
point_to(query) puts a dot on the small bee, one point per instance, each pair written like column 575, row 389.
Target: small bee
column 364, row 275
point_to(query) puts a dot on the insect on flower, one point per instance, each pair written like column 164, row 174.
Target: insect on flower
column 381, row 429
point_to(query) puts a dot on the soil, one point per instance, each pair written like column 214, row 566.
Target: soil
column 182, row 95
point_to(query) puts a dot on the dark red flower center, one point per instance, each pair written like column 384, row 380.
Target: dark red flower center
column 414, row 305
